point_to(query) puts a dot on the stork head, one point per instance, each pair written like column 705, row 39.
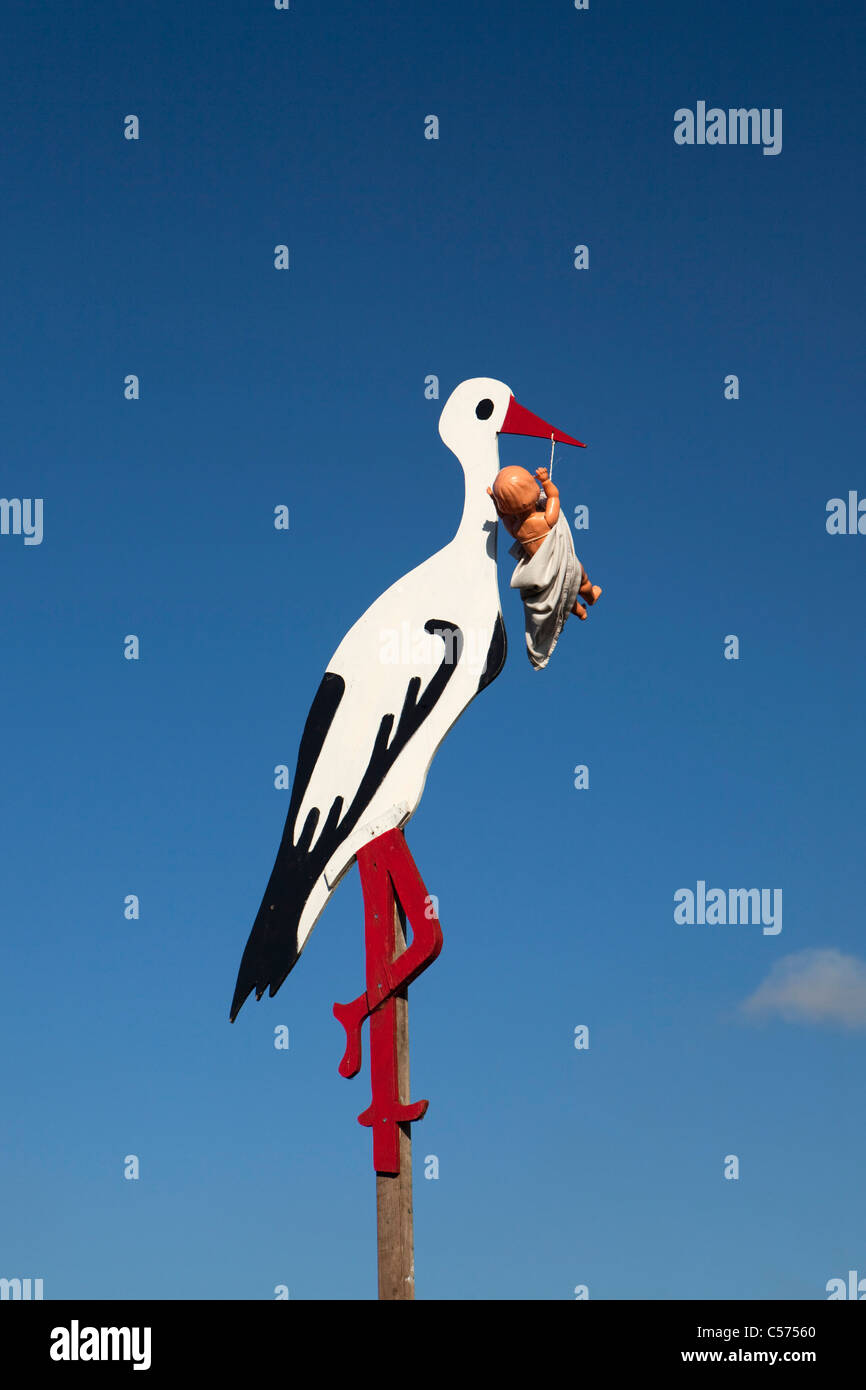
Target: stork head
column 477, row 412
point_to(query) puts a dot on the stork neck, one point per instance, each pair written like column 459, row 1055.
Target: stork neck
column 478, row 507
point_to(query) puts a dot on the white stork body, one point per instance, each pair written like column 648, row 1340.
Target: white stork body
column 387, row 648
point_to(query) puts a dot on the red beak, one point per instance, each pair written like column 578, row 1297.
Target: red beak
column 519, row 420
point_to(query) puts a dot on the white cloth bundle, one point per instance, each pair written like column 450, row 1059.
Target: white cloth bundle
column 548, row 582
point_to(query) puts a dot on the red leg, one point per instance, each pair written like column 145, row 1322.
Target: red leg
column 387, row 870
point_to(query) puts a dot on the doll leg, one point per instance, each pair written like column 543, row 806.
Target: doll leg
column 589, row 592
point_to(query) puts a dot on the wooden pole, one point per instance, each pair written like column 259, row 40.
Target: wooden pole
column 394, row 1223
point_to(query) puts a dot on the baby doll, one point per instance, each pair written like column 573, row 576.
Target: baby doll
column 530, row 515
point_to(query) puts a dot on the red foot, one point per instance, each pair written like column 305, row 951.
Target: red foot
column 352, row 1016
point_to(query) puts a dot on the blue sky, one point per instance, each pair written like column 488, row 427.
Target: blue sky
column 453, row 257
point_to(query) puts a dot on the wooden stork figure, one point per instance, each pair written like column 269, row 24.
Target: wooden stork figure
column 370, row 736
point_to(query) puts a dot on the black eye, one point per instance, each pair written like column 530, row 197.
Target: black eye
column 484, row 410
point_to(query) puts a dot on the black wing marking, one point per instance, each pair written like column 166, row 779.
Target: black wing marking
column 496, row 654
column 272, row 948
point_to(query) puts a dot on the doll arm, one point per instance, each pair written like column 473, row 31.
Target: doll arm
column 551, row 492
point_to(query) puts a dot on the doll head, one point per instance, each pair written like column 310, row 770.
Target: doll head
column 515, row 491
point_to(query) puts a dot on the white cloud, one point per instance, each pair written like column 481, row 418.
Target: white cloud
column 813, row 987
